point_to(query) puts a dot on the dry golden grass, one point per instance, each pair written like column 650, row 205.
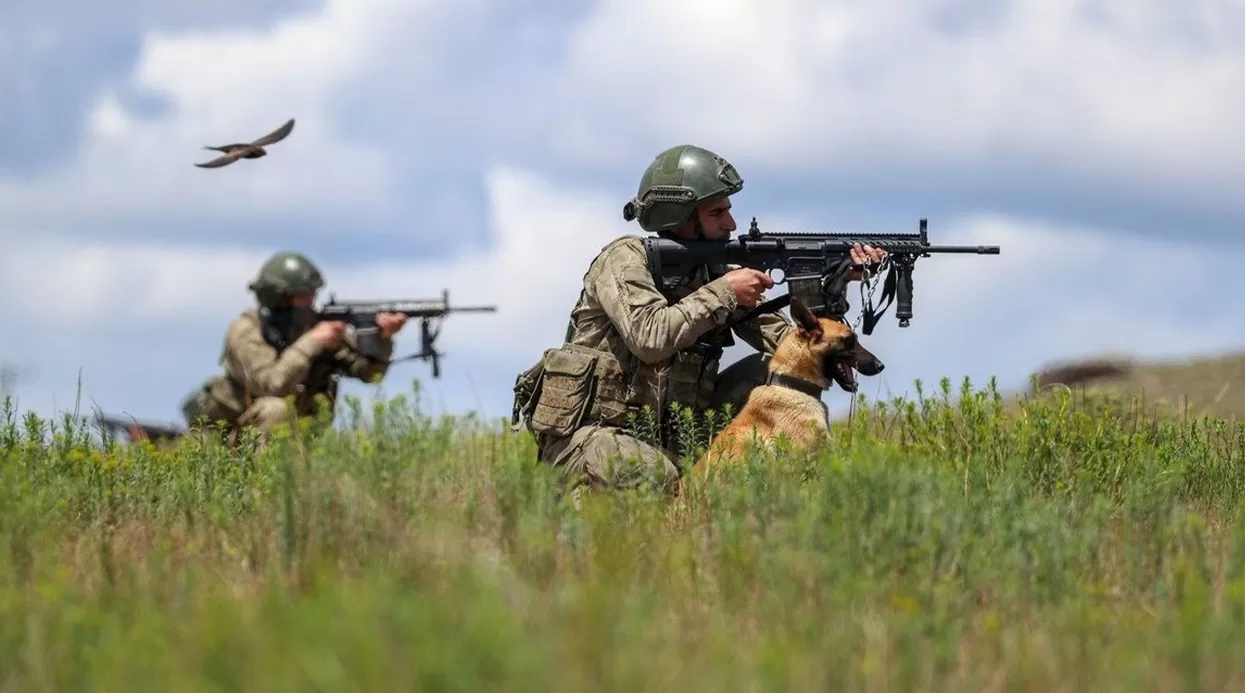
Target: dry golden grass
column 1211, row 385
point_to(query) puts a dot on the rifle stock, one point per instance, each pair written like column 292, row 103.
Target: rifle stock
column 138, row 430
column 815, row 265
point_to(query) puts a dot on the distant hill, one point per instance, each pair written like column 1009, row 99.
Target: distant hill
column 1212, row 385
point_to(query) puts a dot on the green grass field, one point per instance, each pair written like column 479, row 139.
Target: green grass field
column 956, row 543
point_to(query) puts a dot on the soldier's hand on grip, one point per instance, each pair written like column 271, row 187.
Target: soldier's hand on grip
column 748, row 285
column 329, row 333
column 862, row 256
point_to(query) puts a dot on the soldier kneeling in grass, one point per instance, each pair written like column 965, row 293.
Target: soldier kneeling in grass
column 281, row 349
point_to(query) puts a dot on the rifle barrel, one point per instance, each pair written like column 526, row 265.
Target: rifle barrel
column 413, row 305
column 974, row 249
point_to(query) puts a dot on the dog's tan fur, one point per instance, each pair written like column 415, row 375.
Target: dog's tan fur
column 775, row 410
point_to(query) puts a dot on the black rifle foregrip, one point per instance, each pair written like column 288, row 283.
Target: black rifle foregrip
column 903, row 294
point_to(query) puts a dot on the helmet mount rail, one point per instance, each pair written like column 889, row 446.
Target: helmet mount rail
column 675, row 183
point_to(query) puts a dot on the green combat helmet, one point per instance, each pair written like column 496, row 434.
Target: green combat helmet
column 284, row 274
column 679, row 180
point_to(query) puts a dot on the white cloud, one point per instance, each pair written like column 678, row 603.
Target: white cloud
column 1148, row 93
column 93, row 284
column 543, row 239
column 1147, row 89
column 235, row 85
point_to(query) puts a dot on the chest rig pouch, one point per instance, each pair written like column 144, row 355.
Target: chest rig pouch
column 325, row 371
column 574, row 385
column 569, row 387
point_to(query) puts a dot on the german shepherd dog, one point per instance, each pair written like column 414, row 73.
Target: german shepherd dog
column 808, row 360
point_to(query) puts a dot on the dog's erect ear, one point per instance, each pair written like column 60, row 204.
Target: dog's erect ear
column 865, row 362
column 804, row 317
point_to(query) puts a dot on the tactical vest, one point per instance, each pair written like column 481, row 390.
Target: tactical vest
column 580, row 384
column 223, row 398
column 322, row 376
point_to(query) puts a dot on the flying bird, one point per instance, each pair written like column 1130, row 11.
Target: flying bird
column 254, row 150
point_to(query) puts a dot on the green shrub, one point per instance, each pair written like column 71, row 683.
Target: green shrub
column 949, row 543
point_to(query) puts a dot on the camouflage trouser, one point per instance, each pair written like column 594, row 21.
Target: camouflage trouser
column 264, row 413
column 604, row 456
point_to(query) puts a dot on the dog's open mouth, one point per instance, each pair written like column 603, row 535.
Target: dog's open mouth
column 839, row 368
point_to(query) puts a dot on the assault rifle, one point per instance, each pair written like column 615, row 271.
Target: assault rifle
column 138, row 430
column 361, row 316
column 814, row 265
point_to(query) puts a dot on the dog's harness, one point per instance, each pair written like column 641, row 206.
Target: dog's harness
column 809, row 388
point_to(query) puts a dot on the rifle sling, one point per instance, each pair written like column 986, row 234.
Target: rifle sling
column 770, row 306
column 870, row 315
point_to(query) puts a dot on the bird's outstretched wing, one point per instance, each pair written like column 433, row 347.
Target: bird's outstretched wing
column 223, row 160
column 276, row 135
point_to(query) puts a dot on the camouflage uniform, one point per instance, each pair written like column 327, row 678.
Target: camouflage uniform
column 630, row 344
column 269, row 354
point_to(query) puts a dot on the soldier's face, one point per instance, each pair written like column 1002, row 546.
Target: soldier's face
column 300, row 315
column 715, row 219
column 302, row 300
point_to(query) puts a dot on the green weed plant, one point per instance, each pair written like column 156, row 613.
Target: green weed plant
column 948, row 543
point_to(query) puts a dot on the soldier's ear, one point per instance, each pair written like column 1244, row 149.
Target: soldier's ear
column 804, row 319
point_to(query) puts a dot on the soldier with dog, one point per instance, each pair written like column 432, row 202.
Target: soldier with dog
column 632, row 347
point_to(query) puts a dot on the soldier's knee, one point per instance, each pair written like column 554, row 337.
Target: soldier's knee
column 613, row 458
column 623, row 472
column 266, row 412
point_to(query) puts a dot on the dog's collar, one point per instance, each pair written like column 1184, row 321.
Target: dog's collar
column 807, row 387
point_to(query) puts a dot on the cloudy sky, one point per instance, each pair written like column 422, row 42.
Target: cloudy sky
column 487, row 148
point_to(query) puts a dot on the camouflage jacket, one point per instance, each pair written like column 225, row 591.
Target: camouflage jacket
column 622, row 310
column 254, row 368
column 636, row 346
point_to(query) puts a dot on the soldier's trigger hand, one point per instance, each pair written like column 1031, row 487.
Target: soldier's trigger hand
column 748, row 285
column 329, row 333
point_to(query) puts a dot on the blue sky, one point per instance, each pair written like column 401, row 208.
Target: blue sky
column 487, row 147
